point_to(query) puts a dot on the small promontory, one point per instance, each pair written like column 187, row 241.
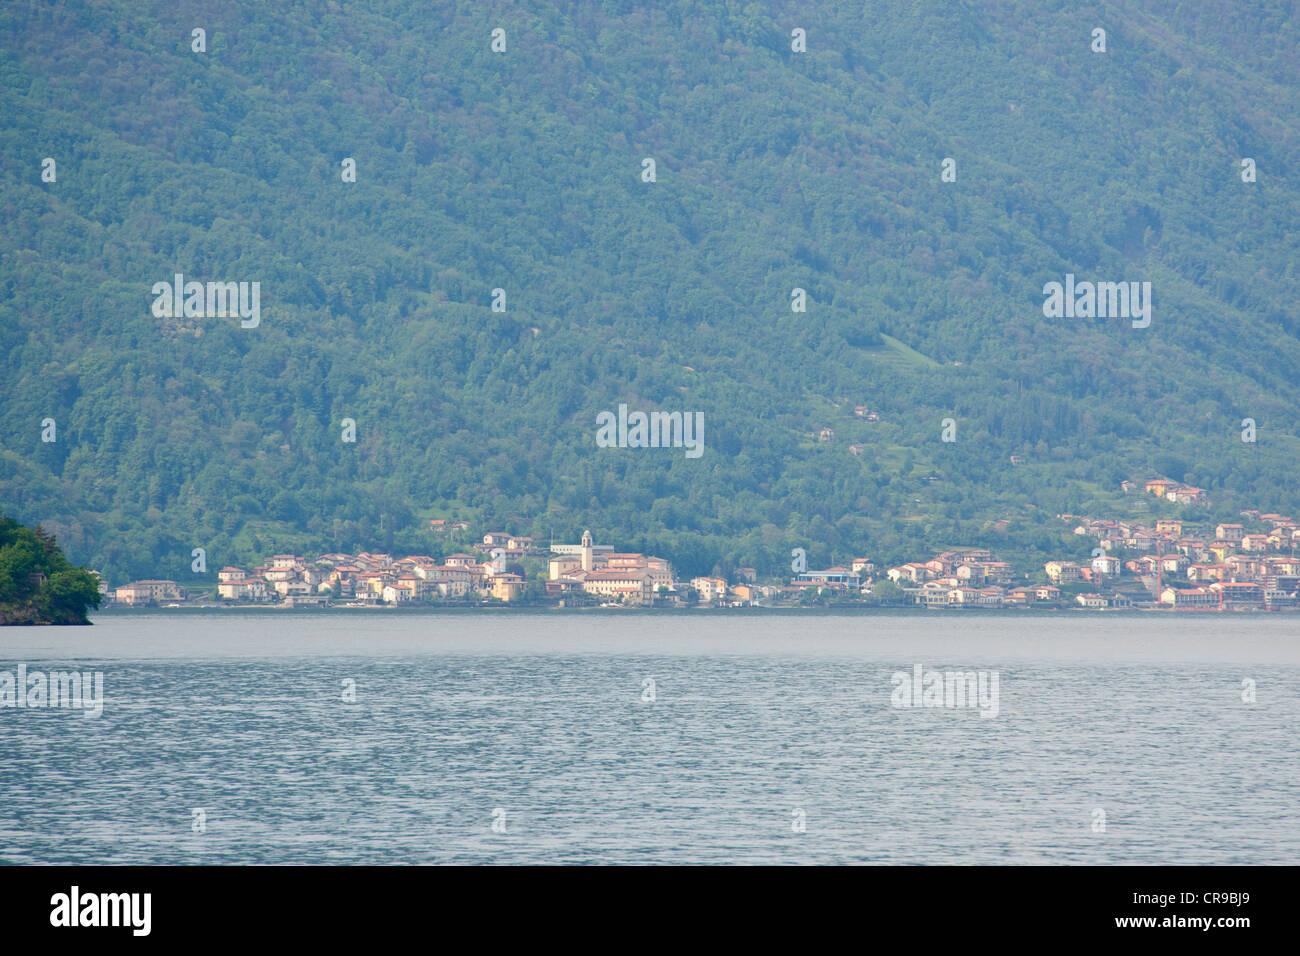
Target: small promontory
column 38, row 585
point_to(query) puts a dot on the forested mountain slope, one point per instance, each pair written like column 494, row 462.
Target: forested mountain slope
column 523, row 171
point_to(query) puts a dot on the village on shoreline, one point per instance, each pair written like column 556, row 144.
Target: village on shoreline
column 1166, row 563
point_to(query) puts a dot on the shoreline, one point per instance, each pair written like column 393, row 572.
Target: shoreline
column 754, row 611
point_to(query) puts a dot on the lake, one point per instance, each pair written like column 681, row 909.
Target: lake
column 483, row 737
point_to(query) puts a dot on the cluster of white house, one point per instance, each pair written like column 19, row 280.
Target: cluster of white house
column 968, row 577
column 623, row 577
column 367, row 578
column 1187, row 568
column 1135, row 563
column 1166, row 561
column 964, row 577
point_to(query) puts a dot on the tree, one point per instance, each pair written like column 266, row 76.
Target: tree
column 886, row 591
column 37, row 583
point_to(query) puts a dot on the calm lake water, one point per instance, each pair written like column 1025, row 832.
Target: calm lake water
column 762, row 739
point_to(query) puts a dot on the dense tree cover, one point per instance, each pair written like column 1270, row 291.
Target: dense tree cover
column 522, row 171
column 37, row 583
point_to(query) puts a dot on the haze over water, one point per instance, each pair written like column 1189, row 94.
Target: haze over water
column 754, row 716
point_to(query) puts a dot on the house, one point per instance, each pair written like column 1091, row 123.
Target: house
column 1139, row 541
column 826, row 434
column 507, row 587
column 660, row 571
column 1169, row 526
column 338, row 586
column 836, row 575
column 1106, row 565
column 1160, row 486
column 710, row 589
column 500, row 556
column 229, row 573
column 1194, row 548
column 1093, row 602
column 632, row 587
column 1238, row 594
column 966, row 596
column 1254, row 542
column 1179, row 598
column 372, row 582
column 398, row 594
column 1279, row 538
column 561, row 564
column 1222, row 549
column 1143, row 565
column 1228, row 532
column 562, row 587
column 1243, row 565
column 1277, row 599
column 1062, row 572
column 453, row 588
column 420, row 587
column 1017, row 460
column 932, row 594
column 244, row 589
column 916, row 573
column 1286, row 566
column 412, row 561
column 140, row 593
column 436, row 574
column 1207, row 572
column 945, row 562
column 1046, row 592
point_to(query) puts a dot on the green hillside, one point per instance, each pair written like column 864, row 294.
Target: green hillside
column 522, row 171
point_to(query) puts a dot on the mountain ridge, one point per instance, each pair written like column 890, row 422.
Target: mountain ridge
column 522, row 171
